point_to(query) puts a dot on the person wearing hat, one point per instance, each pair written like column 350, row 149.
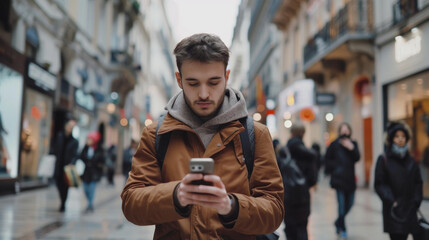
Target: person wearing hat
column 399, row 185
column 93, row 156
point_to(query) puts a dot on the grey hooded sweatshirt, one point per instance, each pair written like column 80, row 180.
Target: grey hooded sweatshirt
column 232, row 108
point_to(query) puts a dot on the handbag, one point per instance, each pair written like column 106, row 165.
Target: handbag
column 423, row 225
column 72, row 176
column 47, row 166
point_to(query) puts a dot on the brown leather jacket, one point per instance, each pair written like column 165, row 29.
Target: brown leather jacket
column 147, row 198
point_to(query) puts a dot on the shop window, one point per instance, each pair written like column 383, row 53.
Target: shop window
column 11, row 84
column 408, row 100
column 36, row 133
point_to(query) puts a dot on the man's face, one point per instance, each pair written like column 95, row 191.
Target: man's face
column 203, row 86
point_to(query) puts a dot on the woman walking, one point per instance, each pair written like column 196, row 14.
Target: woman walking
column 398, row 183
column 93, row 156
column 340, row 159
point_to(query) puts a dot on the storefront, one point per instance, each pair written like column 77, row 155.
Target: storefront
column 12, row 68
column 35, row 164
column 403, row 81
column 296, row 103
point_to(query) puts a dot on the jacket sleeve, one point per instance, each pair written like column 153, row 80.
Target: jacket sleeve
column 355, row 154
column 329, row 159
column 306, row 153
column 381, row 183
column 263, row 211
column 73, row 154
column 418, row 192
column 84, row 154
column 144, row 193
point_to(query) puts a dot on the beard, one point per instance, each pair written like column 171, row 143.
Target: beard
column 208, row 116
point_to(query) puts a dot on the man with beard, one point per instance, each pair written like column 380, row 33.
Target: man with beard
column 204, row 122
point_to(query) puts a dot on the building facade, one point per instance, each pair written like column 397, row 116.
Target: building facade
column 330, row 43
column 264, row 75
column 89, row 59
column 402, row 74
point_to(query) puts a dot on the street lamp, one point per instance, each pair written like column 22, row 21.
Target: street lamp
column 329, row 117
column 288, row 124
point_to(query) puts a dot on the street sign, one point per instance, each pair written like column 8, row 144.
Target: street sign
column 325, row 99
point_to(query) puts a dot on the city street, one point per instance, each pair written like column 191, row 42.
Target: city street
column 33, row 215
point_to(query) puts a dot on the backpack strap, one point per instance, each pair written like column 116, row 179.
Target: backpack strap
column 161, row 142
column 247, row 138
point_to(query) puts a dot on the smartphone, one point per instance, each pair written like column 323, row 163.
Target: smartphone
column 201, row 165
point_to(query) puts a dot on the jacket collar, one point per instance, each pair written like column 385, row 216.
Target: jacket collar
column 226, row 133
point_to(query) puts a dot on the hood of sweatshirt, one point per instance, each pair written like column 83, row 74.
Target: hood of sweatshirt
column 233, row 108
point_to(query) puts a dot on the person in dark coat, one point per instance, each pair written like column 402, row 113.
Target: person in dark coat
column 319, row 157
column 93, row 156
column 399, row 185
column 127, row 158
column 340, row 159
column 66, row 147
column 297, row 208
column 111, row 163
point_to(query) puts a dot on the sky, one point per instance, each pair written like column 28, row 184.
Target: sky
column 210, row 16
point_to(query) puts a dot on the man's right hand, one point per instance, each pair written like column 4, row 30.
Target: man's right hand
column 214, row 196
column 186, row 190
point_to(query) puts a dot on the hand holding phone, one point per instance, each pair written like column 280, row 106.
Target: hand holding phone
column 194, row 190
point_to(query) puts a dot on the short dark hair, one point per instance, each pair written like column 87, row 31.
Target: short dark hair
column 201, row 47
column 297, row 129
column 69, row 118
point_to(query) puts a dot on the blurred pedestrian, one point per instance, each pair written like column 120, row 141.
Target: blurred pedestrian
column 319, row 157
column 297, row 204
column 93, row 156
column 111, row 163
column 127, row 158
column 277, row 146
column 399, row 185
column 340, row 159
column 66, row 152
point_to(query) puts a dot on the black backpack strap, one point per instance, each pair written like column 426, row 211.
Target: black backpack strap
column 161, row 142
column 247, row 138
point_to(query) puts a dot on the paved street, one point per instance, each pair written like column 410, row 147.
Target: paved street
column 33, row 215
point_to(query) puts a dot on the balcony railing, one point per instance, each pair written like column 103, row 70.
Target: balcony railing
column 355, row 18
column 403, row 10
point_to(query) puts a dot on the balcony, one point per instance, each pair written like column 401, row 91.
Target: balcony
column 352, row 23
column 403, row 10
column 286, row 12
